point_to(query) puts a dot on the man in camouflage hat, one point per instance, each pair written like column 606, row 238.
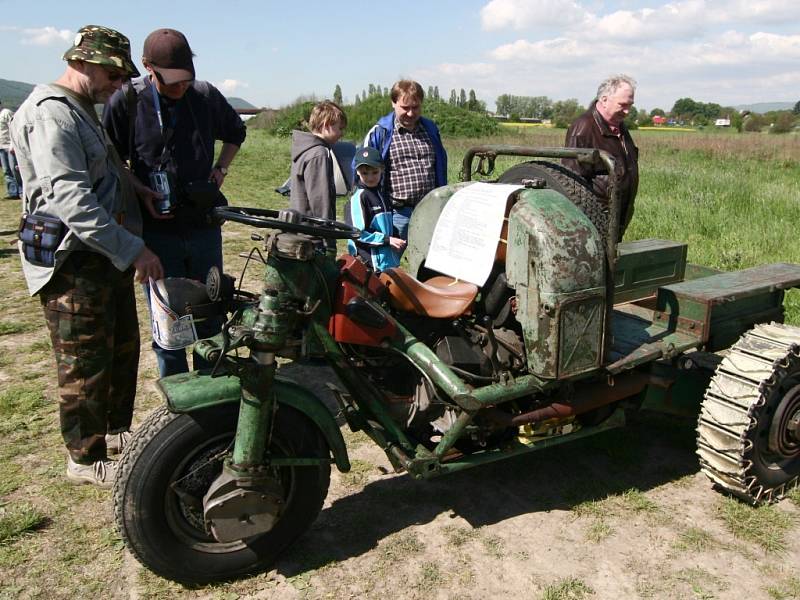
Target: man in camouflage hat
column 83, row 272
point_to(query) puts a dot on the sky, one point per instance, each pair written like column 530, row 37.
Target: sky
column 271, row 52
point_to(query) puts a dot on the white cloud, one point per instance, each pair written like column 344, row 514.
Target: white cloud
column 231, row 86
column 45, row 36
column 558, row 50
column 467, row 70
column 670, row 21
column 524, row 14
column 755, row 11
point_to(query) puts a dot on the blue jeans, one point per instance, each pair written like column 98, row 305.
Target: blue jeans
column 13, row 182
column 400, row 220
column 189, row 254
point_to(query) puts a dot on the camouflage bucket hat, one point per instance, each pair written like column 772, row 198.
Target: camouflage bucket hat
column 102, row 46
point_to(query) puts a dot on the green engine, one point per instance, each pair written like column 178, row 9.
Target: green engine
column 552, row 259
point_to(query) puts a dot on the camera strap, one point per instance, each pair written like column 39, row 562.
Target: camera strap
column 166, row 133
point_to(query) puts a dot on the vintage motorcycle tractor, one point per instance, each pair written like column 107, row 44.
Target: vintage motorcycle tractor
column 569, row 331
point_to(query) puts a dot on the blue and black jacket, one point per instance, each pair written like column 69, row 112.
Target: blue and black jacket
column 372, row 214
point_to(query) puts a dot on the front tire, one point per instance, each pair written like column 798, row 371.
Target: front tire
column 168, row 468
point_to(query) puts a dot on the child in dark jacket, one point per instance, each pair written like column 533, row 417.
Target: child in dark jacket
column 313, row 190
column 368, row 210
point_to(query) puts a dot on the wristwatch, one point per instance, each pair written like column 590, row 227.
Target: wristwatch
column 223, row 170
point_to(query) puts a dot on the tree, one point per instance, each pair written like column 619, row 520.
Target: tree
column 462, row 99
column 429, row 93
column 796, row 109
column 784, row 123
column 657, row 112
column 632, row 120
column 472, row 103
column 358, row 100
column 503, row 104
column 565, row 112
column 371, row 90
column 337, row 95
column 453, row 98
column 436, row 92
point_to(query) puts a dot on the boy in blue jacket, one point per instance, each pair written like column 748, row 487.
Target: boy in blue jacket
column 368, row 210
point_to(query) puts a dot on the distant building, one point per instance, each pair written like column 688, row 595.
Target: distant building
column 659, row 120
column 722, row 122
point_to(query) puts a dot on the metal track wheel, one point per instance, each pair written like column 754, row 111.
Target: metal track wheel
column 748, row 433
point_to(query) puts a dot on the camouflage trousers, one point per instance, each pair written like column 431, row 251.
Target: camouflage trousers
column 90, row 310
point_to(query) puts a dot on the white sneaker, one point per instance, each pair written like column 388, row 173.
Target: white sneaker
column 116, row 442
column 100, row 473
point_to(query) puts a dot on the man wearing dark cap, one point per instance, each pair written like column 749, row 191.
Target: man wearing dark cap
column 165, row 124
column 77, row 253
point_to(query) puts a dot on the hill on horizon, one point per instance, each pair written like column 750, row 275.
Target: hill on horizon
column 765, row 107
column 13, row 93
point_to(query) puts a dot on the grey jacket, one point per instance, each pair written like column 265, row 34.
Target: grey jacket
column 67, row 173
column 313, row 189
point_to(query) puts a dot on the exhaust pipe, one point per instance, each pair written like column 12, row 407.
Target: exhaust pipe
column 586, row 397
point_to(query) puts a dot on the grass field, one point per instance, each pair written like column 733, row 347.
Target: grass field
column 624, row 515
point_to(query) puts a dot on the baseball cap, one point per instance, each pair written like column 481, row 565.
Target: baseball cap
column 368, row 156
column 167, row 51
column 102, row 46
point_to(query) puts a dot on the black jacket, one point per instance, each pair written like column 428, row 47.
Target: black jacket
column 197, row 120
column 590, row 130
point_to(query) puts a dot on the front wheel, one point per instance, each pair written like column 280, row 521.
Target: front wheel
column 166, row 472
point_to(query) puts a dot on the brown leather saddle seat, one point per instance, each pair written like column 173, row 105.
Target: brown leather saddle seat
column 440, row 297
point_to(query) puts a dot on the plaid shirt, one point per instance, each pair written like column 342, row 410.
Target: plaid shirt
column 411, row 165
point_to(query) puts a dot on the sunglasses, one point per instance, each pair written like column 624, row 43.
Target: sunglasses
column 161, row 79
column 114, row 76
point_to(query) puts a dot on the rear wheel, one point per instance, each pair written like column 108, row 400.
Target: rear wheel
column 749, row 428
column 166, row 472
column 566, row 183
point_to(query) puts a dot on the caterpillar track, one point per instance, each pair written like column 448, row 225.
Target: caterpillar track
column 748, row 432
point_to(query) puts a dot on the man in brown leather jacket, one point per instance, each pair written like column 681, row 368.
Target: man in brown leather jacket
column 602, row 127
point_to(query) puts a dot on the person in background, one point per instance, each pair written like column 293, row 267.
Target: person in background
column 414, row 158
column 602, row 126
column 73, row 178
column 8, row 159
column 369, row 211
column 165, row 124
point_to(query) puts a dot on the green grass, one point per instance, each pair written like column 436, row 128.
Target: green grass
column 570, row 588
column 359, row 473
column 8, row 328
column 765, row 526
column 788, row 589
column 694, row 539
column 15, row 521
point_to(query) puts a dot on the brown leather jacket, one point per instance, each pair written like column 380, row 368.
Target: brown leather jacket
column 590, row 130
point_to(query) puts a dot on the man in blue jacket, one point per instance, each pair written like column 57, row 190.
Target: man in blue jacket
column 412, row 152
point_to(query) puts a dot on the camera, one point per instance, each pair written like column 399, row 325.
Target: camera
column 159, row 182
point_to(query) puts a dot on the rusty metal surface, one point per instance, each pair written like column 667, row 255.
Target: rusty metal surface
column 555, row 258
column 637, row 340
